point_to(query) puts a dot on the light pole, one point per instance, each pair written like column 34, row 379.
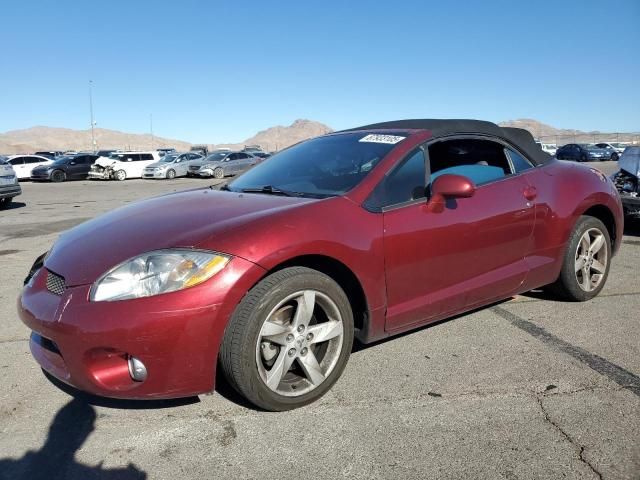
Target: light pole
column 151, row 129
column 93, row 135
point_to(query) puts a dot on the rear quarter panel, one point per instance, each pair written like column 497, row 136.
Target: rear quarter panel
column 565, row 192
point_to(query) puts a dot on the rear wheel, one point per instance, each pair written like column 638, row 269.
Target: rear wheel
column 5, row 202
column 218, row 173
column 586, row 261
column 120, row 175
column 583, row 158
column 58, row 176
column 171, row 174
column 289, row 340
column 614, row 157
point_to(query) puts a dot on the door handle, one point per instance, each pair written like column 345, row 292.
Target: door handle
column 530, row 193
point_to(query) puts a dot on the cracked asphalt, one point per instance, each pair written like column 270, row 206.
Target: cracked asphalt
column 530, row 388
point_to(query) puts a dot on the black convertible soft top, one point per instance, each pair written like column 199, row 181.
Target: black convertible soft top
column 518, row 137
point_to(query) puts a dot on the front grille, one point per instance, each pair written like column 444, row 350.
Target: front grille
column 55, row 283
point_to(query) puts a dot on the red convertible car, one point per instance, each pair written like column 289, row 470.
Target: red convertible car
column 363, row 233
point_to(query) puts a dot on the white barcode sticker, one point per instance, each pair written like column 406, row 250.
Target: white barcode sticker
column 377, row 138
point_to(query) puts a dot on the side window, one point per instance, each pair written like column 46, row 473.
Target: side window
column 482, row 161
column 233, row 156
column 520, row 164
column 242, row 156
column 17, row 161
column 33, row 160
column 405, row 183
column 146, row 156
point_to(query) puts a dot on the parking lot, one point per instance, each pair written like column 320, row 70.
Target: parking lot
column 529, row 388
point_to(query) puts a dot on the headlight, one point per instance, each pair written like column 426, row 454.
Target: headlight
column 157, row 272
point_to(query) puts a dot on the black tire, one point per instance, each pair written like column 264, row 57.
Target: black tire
column 5, row 202
column 171, row 174
column 238, row 351
column 218, row 173
column 567, row 286
column 614, row 157
column 583, row 158
column 58, row 176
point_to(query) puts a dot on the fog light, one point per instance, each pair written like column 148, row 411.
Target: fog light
column 137, row 370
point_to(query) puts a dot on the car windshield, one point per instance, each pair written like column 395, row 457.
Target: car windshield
column 170, row 157
column 216, row 157
column 62, row 160
column 321, row 167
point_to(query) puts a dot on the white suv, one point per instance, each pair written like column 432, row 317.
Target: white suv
column 122, row 165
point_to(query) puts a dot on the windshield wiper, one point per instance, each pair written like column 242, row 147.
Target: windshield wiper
column 271, row 190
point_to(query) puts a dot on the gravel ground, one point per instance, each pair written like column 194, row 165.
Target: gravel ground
column 530, row 388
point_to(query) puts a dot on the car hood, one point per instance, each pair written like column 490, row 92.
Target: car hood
column 104, row 161
column 159, row 164
column 6, row 170
column 630, row 163
column 193, row 219
column 203, row 164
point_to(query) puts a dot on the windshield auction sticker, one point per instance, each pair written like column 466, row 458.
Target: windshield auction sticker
column 376, row 138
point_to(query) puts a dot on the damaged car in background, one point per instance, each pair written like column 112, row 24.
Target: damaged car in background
column 122, row 165
column 627, row 181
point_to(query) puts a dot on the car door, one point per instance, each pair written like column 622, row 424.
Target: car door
column 76, row 166
column 230, row 164
column 188, row 159
column 470, row 252
column 18, row 167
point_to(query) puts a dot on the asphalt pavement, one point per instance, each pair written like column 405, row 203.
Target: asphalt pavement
column 526, row 389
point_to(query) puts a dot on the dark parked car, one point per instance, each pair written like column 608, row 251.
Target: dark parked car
column 72, row 167
column 365, row 233
column 582, row 152
column 627, row 181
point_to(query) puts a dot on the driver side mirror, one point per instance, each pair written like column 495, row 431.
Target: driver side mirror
column 449, row 186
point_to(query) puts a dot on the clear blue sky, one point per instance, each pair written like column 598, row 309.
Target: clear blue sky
column 214, row 71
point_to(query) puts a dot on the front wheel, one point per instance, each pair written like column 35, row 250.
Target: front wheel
column 171, row 174
column 58, row 176
column 614, row 157
column 5, row 202
column 289, row 340
column 583, row 158
column 120, row 175
column 586, row 261
column 218, row 173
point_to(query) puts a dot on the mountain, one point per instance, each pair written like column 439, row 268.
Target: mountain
column 50, row 138
column 561, row 136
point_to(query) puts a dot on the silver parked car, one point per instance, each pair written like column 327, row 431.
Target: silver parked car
column 223, row 164
column 9, row 186
column 172, row 165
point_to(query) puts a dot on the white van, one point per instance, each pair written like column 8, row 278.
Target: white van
column 122, row 165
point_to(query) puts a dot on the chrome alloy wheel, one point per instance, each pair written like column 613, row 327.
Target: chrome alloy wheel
column 299, row 343
column 591, row 259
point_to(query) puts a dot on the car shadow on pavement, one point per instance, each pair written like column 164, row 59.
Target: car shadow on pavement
column 12, row 206
column 56, row 460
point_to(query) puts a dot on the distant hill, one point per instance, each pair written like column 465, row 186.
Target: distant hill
column 275, row 138
column 50, row 138
column 551, row 134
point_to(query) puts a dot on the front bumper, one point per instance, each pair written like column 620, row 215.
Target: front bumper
column 154, row 174
column 631, row 205
column 103, row 175
column 40, row 175
column 10, row 191
column 176, row 335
